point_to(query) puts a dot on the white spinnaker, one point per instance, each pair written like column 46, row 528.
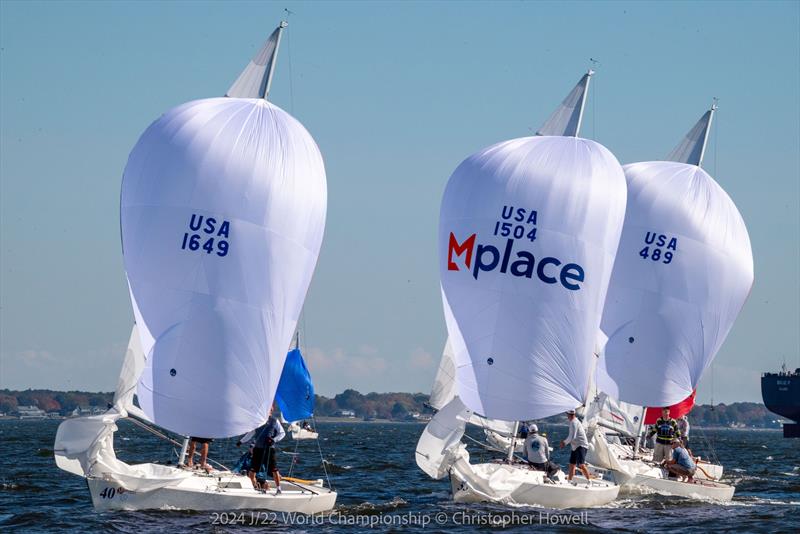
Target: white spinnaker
column 223, row 210
column 444, row 391
column 523, row 338
column 667, row 314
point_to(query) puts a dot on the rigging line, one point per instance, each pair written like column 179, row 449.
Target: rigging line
column 167, row 438
column 319, row 448
column 289, row 62
column 484, row 445
column 294, row 456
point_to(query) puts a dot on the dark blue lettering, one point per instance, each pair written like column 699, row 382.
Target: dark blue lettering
column 540, row 270
column 224, row 229
column 480, row 265
column 571, row 271
column 210, row 222
column 198, row 224
column 673, row 244
column 506, row 255
column 520, row 215
column 649, row 238
column 524, row 265
column 510, row 212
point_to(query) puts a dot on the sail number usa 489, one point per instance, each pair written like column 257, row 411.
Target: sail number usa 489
column 659, row 247
column 208, row 235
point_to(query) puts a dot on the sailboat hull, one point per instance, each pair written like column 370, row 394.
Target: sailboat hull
column 699, row 489
column 304, row 434
column 508, row 484
column 224, row 491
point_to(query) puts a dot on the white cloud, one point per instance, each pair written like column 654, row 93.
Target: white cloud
column 421, row 359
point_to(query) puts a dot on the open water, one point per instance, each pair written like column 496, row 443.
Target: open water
column 380, row 488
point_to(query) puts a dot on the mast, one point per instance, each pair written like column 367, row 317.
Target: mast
column 583, row 102
column 513, row 442
column 182, row 457
column 267, row 83
column 639, row 432
column 707, row 132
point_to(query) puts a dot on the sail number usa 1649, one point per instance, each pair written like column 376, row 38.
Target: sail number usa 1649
column 208, row 235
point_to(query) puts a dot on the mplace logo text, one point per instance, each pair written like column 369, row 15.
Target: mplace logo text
column 512, row 259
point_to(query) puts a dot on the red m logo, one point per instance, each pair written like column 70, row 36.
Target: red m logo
column 459, row 249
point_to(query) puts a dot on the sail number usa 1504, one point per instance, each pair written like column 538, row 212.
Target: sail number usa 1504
column 208, row 235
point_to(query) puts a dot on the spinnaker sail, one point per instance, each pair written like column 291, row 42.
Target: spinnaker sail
column 222, row 211
column 683, row 272
column 528, row 233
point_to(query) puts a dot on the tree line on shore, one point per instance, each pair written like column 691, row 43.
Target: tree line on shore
column 394, row 406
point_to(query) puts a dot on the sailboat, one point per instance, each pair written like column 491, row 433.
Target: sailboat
column 222, row 213
column 528, row 233
column 295, row 395
column 682, row 274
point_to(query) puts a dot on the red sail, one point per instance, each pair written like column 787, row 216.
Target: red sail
column 676, row 410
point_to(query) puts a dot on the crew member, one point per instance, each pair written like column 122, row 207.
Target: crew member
column 579, row 444
column 666, row 430
column 538, row 452
column 203, row 442
column 681, row 463
column 683, row 428
column 264, row 451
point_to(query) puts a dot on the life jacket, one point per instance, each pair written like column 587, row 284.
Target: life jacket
column 666, row 430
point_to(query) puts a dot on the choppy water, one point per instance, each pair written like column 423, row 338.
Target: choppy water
column 372, row 467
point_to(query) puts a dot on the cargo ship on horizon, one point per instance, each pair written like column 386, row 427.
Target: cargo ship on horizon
column 781, row 394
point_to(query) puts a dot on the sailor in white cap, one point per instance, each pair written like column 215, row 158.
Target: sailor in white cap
column 538, row 452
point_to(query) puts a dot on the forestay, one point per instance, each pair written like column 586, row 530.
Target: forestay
column 682, row 274
column 528, row 232
column 223, row 209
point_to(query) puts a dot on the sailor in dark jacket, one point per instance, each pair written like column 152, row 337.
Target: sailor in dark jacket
column 266, row 436
column 666, row 430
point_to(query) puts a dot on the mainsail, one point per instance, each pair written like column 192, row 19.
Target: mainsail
column 222, row 212
column 567, row 118
column 683, row 272
column 692, row 147
column 256, row 78
column 528, row 233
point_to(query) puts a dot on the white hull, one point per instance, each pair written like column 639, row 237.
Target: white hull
column 222, row 491
column 476, row 483
column 637, row 475
column 699, row 489
column 299, row 432
column 655, row 479
column 304, row 434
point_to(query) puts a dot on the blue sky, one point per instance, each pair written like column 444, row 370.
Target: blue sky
column 396, row 95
